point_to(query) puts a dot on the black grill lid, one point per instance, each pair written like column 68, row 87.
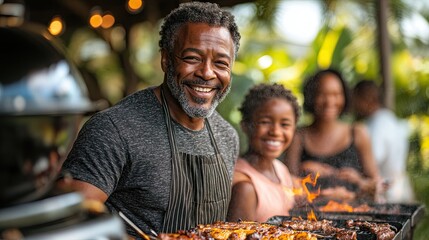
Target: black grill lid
column 35, row 76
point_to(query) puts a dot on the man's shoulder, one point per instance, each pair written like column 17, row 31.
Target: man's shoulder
column 384, row 113
column 384, row 123
column 138, row 101
column 145, row 95
column 381, row 117
column 140, row 107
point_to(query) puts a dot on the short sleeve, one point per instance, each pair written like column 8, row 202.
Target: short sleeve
column 98, row 155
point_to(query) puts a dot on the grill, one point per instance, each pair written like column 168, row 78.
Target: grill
column 64, row 216
column 341, row 223
column 405, row 217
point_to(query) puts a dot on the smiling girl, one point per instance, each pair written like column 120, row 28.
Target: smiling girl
column 261, row 182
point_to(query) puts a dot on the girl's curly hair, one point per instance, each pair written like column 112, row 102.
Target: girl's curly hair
column 261, row 93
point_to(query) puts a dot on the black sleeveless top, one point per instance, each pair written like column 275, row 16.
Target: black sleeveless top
column 348, row 157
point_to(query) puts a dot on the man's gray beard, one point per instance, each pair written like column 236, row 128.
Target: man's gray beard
column 179, row 94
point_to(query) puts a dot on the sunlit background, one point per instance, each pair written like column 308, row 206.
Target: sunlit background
column 282, row 42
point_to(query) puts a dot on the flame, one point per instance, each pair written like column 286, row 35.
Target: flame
column 311, row 216
column 303, row 189
column 310, row 196
column 333, row 206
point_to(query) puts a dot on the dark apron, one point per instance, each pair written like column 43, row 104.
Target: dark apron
column 200, row 185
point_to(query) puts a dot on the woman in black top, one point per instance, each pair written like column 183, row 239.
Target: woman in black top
column 340, row 152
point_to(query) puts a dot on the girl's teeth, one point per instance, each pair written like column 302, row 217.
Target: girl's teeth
column 274, row 143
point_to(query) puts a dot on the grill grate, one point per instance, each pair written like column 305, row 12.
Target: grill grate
column 362, row 234
column 406, row 214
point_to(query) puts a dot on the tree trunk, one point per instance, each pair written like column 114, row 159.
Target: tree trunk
column 385, row 53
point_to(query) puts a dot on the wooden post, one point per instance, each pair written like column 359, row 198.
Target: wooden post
column 385, row 53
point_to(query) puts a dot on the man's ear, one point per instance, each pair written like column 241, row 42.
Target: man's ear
column 164, row 60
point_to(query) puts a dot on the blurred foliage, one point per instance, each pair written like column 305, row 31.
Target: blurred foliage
column 346, row 41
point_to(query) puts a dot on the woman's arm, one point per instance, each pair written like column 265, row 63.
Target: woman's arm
column 292, row 158
column 370, row 170
column 313, row 167
column 366, row 156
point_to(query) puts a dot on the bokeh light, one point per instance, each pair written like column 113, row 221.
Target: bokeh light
column 56, row 26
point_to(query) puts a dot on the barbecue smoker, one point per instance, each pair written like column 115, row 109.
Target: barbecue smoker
column 42, row 100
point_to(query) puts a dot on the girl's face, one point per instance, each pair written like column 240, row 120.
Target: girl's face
column 329, row 101
column 273, row 128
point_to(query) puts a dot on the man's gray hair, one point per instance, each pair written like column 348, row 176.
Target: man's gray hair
column 197, row 12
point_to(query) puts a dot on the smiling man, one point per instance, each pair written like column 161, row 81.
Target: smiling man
column 163, row 156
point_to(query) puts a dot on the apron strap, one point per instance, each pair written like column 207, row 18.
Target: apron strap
column 171, row 137
column 169, row 214
column 200, row 186
column 213, row 140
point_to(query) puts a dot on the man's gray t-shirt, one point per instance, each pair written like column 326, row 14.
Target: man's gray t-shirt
column 125, row 152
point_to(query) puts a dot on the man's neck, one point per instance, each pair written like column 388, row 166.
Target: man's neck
column 176, row 111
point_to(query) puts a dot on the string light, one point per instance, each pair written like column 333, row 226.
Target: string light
column 108, row 20
column 96, row 19
column 56, row 26
column 100, row 19
column 134, row 6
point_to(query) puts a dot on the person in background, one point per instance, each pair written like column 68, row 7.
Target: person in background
column 340, row 152
column 389, row 138
column 262, row 184
column 163, row 156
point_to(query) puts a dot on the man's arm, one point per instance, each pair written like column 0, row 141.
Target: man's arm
column 88, row 190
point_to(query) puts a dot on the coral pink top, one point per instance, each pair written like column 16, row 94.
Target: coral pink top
column 273, row 198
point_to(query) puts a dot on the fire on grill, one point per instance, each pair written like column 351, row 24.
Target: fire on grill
column 402, row 216
column 407, row 215
column 342, row 229
column 338, row 221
